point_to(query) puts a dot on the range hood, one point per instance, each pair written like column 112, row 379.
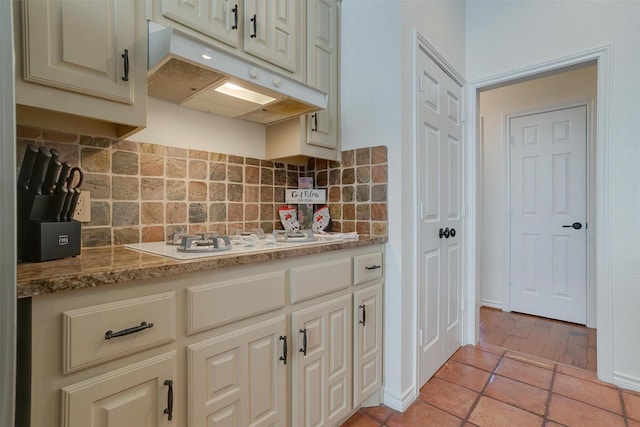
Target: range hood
column 192, row 73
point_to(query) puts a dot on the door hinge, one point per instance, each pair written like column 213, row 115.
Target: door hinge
column 462, row 115
column 421, row 210
column 420, row 337
column 420, row 82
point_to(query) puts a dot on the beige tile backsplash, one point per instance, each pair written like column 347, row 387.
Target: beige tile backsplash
column 144, row 192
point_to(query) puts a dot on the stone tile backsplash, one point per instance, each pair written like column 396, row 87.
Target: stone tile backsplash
column 143, row 192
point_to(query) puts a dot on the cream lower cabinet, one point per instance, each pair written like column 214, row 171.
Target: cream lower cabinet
column 367, row 342
column 139, row 395
column 240, row 378
column 321, row 394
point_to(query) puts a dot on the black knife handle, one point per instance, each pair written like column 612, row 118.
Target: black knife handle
column 39, row 170
column 52, row 174
column 74, row 202
column 64, row 174
column 57, row 203
column 67, row 205
column 28, row 162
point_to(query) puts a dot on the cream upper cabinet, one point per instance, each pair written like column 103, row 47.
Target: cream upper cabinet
column 322, row 70
column 86, row 58
column 218, row 19
column 272, row 31
column 264, row 29
column 316, row 134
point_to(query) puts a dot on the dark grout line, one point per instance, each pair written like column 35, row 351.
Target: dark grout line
column 624, row 408
column 547, row 404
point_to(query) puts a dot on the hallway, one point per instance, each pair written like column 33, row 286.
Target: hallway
column 491, row 386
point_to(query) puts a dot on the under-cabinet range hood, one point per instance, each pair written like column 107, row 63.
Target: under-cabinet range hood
column 197, row 75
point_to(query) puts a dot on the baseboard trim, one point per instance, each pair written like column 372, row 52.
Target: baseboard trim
column 398, row 402
column 626, row 381
column 491, row 304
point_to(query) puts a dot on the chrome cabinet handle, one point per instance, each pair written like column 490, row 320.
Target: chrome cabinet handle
column 314, row 128
column 144, row 325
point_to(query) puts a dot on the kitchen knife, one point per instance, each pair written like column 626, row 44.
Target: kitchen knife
column 52, row 174
column 39, row 170
column 75, row 194
column 28, row 161
column 60, row 193
column 68, row 198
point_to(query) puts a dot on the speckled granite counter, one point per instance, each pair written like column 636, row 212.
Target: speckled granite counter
column 104, row 266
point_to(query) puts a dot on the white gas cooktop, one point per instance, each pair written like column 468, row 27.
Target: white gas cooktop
column 171, row 251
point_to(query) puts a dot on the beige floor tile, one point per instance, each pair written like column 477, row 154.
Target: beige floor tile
column 632, row 405
column 360, row 420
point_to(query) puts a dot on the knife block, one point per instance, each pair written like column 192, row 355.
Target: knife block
column 39, row 238
column 45, row 241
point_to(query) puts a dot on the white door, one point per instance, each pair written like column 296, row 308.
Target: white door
column 548, row 214
column 440, row 171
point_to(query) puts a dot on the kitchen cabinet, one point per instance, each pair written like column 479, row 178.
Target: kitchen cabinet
column 240, row 378
column 139, row 395
column 82, row 65
column 321, row 393
column 263, row 29
column 213, row 347
column 367, row 342
column 315, row 134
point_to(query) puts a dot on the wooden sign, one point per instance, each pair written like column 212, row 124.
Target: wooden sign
column 314, row 196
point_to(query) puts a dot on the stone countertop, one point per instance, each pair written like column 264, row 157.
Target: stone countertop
column 117, row 264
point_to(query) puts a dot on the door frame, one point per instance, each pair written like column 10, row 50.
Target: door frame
column 604, row 58
column 589, row 208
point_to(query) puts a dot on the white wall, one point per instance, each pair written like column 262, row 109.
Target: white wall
column 495, row 104
column 377, row 109
column 509, row 36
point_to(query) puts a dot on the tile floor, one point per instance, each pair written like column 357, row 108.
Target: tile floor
column 488, row 386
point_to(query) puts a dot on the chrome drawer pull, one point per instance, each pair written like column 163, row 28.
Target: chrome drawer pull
column 373, row 267
column 144, row 325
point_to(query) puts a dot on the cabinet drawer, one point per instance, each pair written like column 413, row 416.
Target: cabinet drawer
column 217, row 304
column 85, row 330
column 319, row 279
column 367, row 267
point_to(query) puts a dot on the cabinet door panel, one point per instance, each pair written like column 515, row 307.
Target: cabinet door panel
column 214, row 18
column 78, row 45
column 237, row 379
column 274, row 34
column 132, row 396
column 367, row 357
column 322, row 378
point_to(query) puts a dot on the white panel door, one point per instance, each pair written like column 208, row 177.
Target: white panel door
column 322, row 363
column 548, row 214
column 439, row 151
